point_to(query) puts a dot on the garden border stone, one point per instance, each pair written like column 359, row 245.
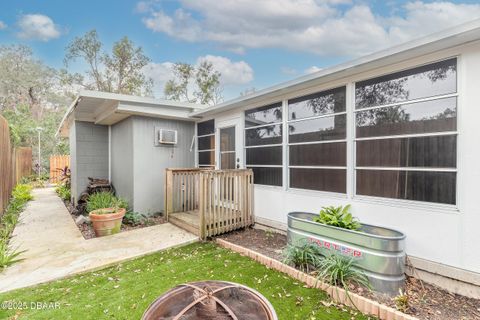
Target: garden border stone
column 337, row 294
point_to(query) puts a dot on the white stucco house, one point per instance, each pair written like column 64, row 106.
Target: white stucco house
column 395, row 134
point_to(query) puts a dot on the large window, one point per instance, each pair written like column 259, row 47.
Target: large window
column 206, row 143
column 317, row 141
column 406, row 139
column 263, row 144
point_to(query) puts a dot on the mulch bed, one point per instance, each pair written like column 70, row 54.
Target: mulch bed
column 87, row 230
column 426, row 301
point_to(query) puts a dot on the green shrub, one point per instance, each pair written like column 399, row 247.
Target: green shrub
column 8, row 256
column 341, row 271
column 304, row 256
column 35, row 181
column 22, row 192
column 402, row 301
column 133, row 218
column 338, row 217
column 102, row 200
column 63, row 192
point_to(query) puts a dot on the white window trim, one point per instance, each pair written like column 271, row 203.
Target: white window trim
column 264, row 125
column 197, row 151
column 405, row 203
column 351, row 140
column 407, row 102
column 245, row 147
column 410, row 135
column 288, row 144
column 327, row 115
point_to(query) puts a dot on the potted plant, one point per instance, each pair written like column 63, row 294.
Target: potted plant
column 106, row 213
column 378, row 251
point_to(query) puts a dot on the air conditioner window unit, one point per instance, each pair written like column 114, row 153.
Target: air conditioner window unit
column 167, row 136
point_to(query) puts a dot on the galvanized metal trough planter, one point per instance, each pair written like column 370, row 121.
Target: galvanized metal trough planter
column 378, row 251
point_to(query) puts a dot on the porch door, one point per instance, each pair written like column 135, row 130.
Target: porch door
column 228, row 156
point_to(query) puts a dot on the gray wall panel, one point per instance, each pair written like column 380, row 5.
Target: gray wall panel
column 122, row 159
column 89, row 153
column 150, row 161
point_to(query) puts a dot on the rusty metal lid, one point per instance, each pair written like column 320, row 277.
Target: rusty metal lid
column 212, row 300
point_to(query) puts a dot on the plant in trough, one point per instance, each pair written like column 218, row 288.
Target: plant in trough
column 304, row 256
column 338, row 217
column 341, row 271
column 102, row 200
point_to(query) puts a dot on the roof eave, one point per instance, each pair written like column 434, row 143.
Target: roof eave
column 459, row 35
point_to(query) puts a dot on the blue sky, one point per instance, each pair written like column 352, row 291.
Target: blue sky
column 253, row 43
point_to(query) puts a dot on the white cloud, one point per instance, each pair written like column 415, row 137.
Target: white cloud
column 232, row 73
column 333, row 27
column 288, row 71
column 312, row 69
column 37, row 27
column 2, row 25
column 160, row 73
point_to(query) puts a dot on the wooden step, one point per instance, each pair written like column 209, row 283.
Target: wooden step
column 188, row 221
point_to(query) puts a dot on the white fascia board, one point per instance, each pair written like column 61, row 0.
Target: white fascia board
column 64, row 126
column 449, row 38
column 154, row 111
column 142, row 100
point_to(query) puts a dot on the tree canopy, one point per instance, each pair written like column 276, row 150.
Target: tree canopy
column 200, row 84
column 120, row 71
column 31, row 96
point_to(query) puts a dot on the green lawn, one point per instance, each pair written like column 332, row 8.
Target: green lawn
column 125, row 290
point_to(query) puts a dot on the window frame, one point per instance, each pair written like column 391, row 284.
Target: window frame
column 198, row 151
column 416, row 204
column 345, row 140
column 245, row 147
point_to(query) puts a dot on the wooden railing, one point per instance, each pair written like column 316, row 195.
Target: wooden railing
column 223, row 199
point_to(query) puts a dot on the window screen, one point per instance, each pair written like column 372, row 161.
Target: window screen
column 406, row 139
column 206, row 143
column 317, row 145
column 263, row 144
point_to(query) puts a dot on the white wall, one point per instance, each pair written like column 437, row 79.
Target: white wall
column 445, row 234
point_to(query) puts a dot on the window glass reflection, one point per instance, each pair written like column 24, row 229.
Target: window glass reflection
column 263, row 115
column 422, row 117
column 264, row 135
column 326, row 128
column 331, row 101
column 422, row 82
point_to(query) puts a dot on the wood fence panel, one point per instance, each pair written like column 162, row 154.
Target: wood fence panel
column 6, row 165
column 58, row 162
column 23, row 163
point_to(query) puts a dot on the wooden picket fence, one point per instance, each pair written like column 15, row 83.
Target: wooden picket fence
column 14, row 164
column 58, row 162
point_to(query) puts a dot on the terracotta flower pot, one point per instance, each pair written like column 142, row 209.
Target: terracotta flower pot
column 106, row 221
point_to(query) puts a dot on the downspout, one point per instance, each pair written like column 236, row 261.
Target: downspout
column 110, row 153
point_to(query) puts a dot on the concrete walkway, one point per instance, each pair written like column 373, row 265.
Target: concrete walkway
column 56, row 248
